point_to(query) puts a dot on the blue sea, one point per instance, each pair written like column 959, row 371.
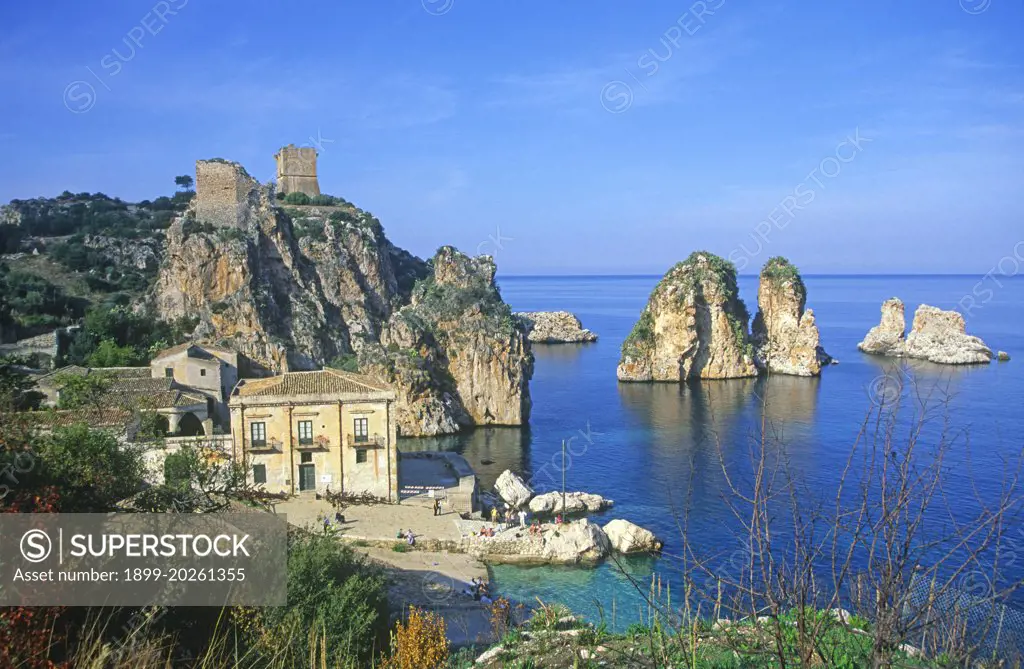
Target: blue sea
column 658, row 450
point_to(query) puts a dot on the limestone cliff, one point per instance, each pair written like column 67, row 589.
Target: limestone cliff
column 694, row 326
column 786, row 339
column 301, row 287
column 936, row 336
column 454, row 352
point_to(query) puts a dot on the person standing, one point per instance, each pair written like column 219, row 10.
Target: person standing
column 437, row 507
column 522, row 518
column 494, row 515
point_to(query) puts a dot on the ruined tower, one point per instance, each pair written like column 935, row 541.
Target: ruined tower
column 296, row 170
column 223, row 191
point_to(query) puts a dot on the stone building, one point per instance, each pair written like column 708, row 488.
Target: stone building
column 296, row 170
column 128, row 392
column 210, row 370
column 306, row 432
column 223, row 191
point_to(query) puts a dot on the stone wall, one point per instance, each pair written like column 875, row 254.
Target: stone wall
column 222, row 192
column 296, row 170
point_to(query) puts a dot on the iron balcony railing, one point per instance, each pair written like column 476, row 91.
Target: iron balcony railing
column 366, row 441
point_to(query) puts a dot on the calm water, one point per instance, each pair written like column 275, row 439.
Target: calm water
column 649, row 446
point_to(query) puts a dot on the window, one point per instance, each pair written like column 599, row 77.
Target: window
column 169, row 372
column 360, row 455
column 259, row 473
column 305, row 458
column 305, row 432
column 202, row 372
column 258, row 432
column 361, row 427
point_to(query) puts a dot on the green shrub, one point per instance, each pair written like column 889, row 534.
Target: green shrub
column 297, row 198
column 347, row 362
column 332, row 592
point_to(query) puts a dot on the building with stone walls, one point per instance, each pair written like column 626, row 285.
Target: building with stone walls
column 223, row 191
column 210, row 370
column 296, row 170
column 127, row 393
column 310, row 432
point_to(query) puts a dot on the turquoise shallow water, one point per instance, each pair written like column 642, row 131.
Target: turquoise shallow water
column 651, row 447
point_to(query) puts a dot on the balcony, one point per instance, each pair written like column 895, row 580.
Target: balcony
column 264, row 445
column 319, row 442
column 366, row 441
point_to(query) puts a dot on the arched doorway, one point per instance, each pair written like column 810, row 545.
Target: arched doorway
column 190, row 426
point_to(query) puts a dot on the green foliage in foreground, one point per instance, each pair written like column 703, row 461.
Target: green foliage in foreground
column 333, row 594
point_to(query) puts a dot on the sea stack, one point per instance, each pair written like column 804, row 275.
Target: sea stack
column 694, row 326
column 886, row 338
column 937, row 336
column 554, row 327
column 786, row 339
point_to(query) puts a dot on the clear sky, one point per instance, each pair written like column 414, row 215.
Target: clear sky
column 559, row 136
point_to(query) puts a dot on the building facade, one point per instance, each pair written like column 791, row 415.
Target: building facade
column 313, row 432
column 210, row 370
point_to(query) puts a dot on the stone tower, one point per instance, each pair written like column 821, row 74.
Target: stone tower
column 296, row 170
column 223, row 191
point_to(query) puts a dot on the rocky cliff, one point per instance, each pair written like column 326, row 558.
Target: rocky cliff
column 301, row 287
column 936, row 336
column 786, row 339
column 694, row 326
column 554, row 327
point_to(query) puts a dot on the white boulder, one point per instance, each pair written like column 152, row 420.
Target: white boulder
column 575, row 502
column 513, row 489
column 626, row 537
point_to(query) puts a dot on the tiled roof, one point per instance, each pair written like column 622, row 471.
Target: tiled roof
column 110, row 417
column 322, row 382
column 133, row 388
column 194, row 350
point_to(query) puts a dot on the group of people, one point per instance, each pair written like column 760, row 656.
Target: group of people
column 509, row 516
column 338, row 518
column 478, row 591
column 409, row 537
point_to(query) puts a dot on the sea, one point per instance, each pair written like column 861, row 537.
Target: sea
column 672, row 456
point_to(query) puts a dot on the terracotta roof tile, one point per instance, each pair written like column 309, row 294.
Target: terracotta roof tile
column 322, row 382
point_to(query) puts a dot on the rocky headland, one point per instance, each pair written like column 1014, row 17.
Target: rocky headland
column 936, row 335
column 786, row 339
column 554, row 327
column 694, row 326
column 295, row 288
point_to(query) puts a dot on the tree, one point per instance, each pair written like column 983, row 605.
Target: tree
column 78, row 391
column 184, row 182
column 92, row 469
column 109, row 354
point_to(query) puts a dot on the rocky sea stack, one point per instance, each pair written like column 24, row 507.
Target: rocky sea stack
column 554, row 327
column 786, row 339
column 936, row 336
column 300, row 287
column 694, row 326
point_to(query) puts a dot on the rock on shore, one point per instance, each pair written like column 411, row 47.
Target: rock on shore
column 693, row 326
column 626, row 537
column 554, row 327
column 512, row 489
column 937, row 336
column 786, row 339
column 575, row 502
column 568, row 543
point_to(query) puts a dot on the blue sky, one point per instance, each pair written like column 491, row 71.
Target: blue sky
column 560, row 137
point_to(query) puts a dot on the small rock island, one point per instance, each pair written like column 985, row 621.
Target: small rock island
column 696, row 326
column 936, row 336
column 554, row 327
